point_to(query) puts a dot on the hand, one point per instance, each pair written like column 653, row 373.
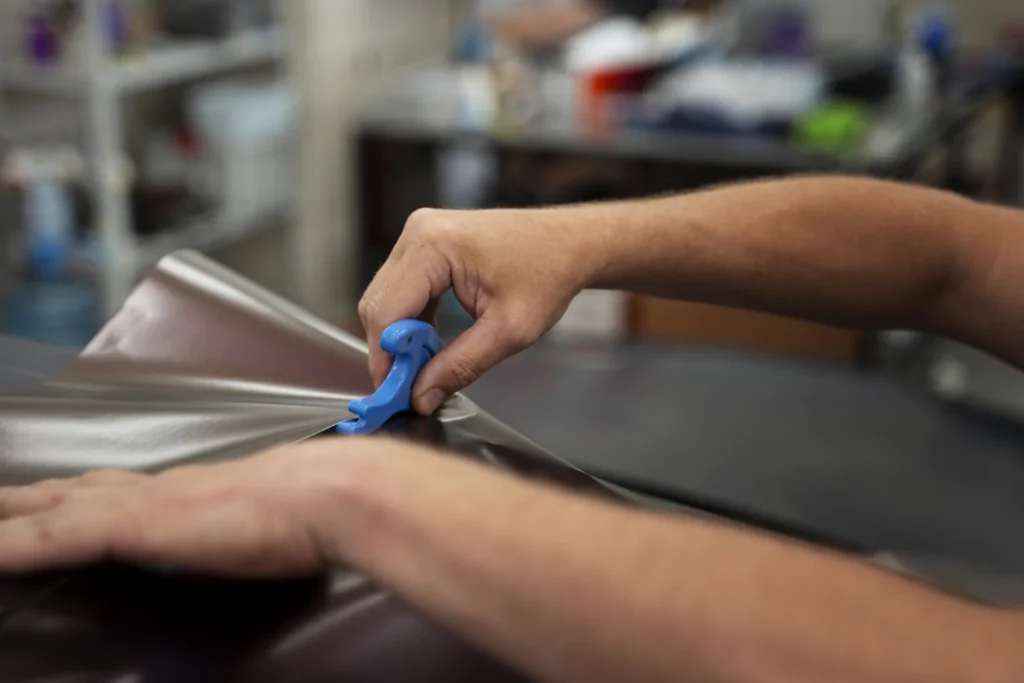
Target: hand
column 515, row 276
column 270, row 515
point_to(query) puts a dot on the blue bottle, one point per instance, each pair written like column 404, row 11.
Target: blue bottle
column 49, row 305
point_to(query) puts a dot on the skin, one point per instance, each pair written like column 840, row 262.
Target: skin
column 486, row 554
column 853, row 252
column 548, row 25
column 544, row 25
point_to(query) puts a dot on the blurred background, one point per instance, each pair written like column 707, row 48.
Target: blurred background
column 290, row 140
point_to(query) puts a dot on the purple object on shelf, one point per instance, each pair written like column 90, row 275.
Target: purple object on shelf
column 784, row 30
column 116, row 27
column 42, row 44
column 789, row 34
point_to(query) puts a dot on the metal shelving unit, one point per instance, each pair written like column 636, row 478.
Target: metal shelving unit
column 161, row 66
column 103, row 81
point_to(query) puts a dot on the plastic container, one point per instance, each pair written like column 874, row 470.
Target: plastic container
column 49, row 305
column 63, row 312
column 248, row 135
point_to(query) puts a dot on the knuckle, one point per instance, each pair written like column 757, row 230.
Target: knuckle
column 464, row 370
column 420, row 220
column 44, row 498
column 430, row 226
column 95, row 477
column 368, row 309
column 48, row 484
column 11, row 499
column 43, row 528
column 56, row 499
column 520, row 331
column 519, row 338
column 18, row 502
column 101, row 477
column 185, row 473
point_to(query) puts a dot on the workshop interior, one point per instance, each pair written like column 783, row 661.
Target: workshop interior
column 195, row 193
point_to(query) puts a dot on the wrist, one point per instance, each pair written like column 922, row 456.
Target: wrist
column 628, row 243
column 333, row 493
column 585, row 239
column 356, row 481
column 608, row 244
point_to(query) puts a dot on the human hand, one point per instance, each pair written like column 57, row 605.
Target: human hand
column 514, row 273
column 265, row 516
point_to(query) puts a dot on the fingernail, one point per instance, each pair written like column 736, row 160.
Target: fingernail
column 432, row 400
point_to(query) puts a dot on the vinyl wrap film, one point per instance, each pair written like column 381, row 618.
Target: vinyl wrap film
column 202, row 365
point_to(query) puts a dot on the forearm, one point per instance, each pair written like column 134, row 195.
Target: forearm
column 570, row 589
column 853, row 252
column 539, row 26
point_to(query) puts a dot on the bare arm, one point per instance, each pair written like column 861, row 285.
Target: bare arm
column 573, row 590
column 716, row 604
column 567, row 589
column 543, row 26
column 855, row 252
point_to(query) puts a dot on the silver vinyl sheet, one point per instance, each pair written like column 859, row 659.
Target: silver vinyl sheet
column 199, row 364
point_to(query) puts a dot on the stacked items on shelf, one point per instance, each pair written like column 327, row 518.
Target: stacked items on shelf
column 188, row 187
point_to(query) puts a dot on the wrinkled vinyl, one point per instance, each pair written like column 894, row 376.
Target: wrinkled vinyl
column 201, row 365
column 198, row 364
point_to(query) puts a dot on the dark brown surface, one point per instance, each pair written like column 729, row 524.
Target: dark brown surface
column 112, row 623
column 654, row 320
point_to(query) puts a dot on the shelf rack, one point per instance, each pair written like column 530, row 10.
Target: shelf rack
column 102, row 81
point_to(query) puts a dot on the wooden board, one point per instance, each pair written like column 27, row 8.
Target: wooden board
column 663, row 321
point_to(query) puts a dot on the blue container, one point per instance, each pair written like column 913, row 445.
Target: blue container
column 60, row 312
column 50, row 305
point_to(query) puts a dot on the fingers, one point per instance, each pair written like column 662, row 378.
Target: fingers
column 415, row 275
column 47, row 495
column 489, row 271
column 395, row 294
column 488, row 342
column 401, row 290
column 233, row 518
column 63, row 522
column 429, row 314
column 69, row 534
column 158, row 520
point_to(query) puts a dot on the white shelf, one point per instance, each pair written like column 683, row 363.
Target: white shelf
column 157, row 67
column 182, row 62
column 42, row 80
column 101, row 81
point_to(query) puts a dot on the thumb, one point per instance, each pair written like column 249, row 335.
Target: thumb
column 477, row 350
